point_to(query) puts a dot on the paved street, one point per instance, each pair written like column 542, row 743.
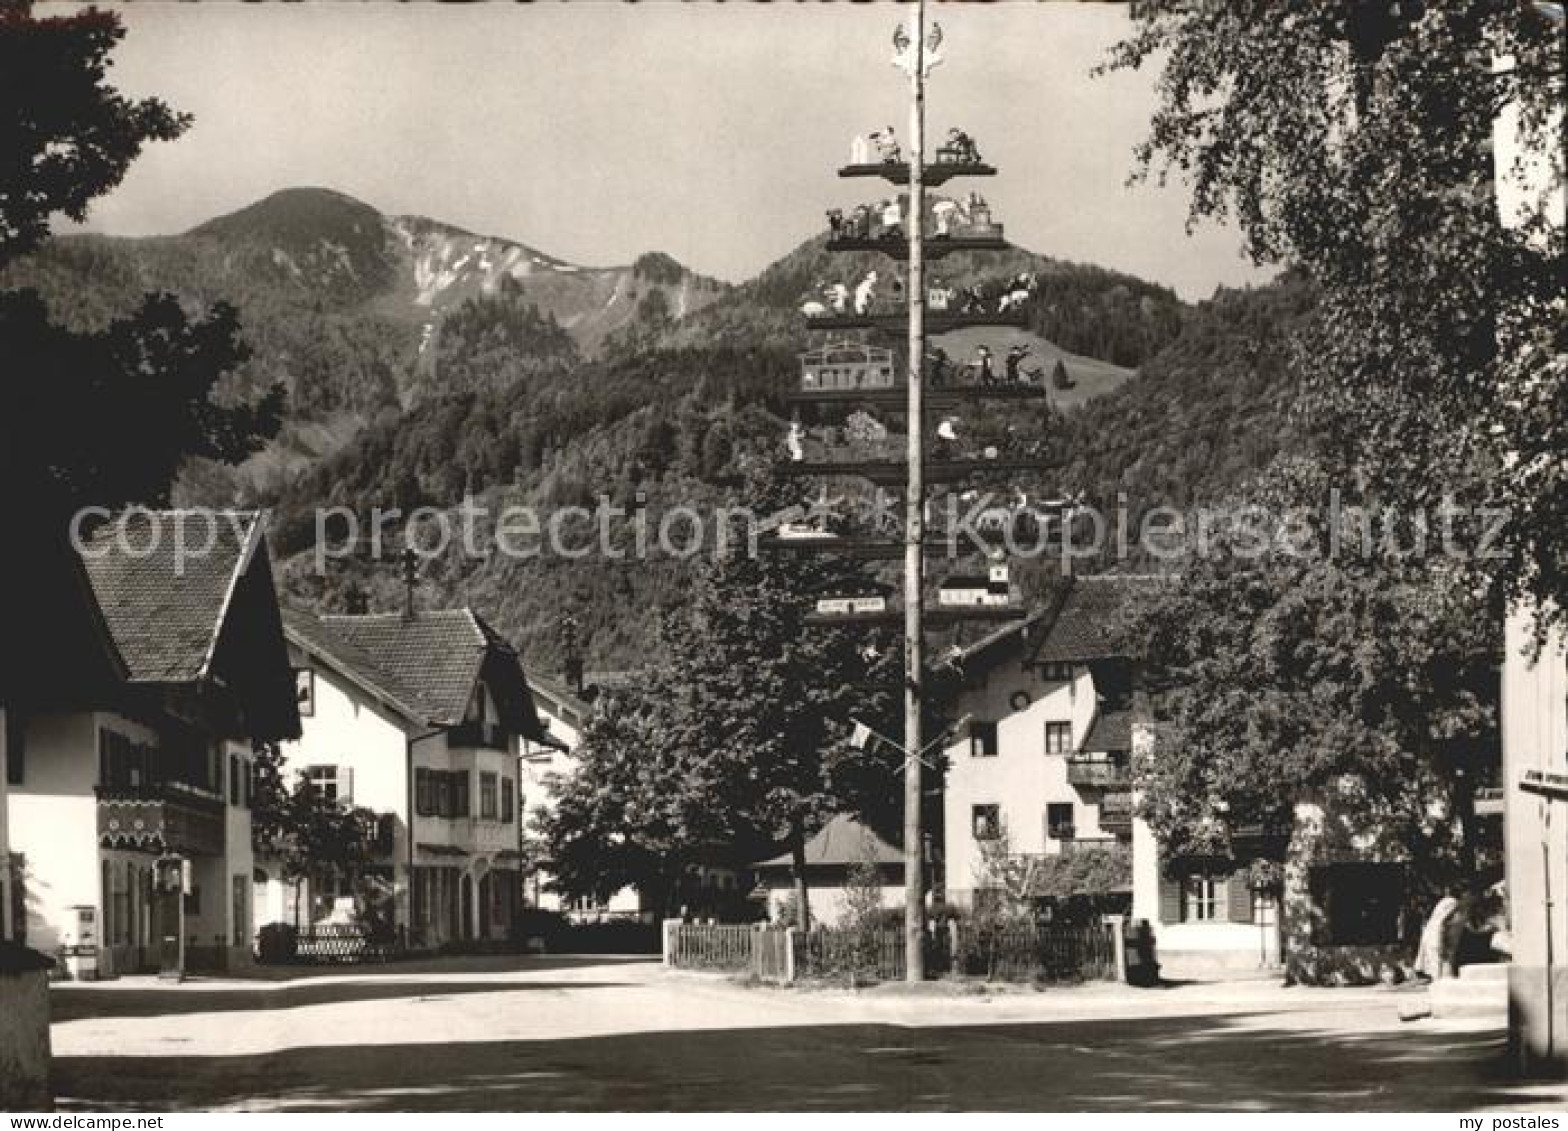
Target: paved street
column 605, row 1033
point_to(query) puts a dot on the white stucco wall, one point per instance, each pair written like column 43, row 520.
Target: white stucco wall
column 829, row 902
column 54, row 822
column 1022, row 779
column 348, row 729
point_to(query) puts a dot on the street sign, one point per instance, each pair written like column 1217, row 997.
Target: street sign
column 1553, row 787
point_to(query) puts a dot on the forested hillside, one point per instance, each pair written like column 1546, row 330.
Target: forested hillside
column 423, row 364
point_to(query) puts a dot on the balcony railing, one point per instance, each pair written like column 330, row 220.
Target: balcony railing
column 1116, row 813
column 1099, row 773
column 160, row 818
column 1088, row 844
column 491, row 736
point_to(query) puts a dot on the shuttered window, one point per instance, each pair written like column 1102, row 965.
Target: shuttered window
column 1238, row 898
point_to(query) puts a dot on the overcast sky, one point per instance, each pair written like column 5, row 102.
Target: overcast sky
column 596, row 131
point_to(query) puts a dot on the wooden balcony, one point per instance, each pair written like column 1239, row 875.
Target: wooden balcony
column 1116, row 813
column 1074, row 845
column 160, row 819
column 1098, row 773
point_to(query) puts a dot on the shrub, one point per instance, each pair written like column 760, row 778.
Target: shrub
column 277, row 944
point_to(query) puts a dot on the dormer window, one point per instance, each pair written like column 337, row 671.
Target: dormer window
column 1056, row 672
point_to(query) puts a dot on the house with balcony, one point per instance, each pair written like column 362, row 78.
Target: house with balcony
column 128, row 780
column 1044, row 762
column 422, row 717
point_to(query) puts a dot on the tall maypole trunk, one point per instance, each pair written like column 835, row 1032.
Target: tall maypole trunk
column 914, row 525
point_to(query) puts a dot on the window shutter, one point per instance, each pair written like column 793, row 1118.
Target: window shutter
column 1170, row 900
column 1238, row 898
column 346, row 785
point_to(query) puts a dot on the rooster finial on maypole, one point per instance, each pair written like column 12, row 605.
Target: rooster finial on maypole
column 904, row 53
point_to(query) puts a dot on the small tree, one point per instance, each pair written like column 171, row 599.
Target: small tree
column 311, row 837
column 863, row 920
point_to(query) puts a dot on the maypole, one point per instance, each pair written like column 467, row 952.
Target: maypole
column 914, row 524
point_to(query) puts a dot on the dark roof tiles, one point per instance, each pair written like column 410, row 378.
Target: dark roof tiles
column 164, row 603
column 843, row 842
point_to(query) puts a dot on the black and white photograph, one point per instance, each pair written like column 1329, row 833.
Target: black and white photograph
column 920, row 556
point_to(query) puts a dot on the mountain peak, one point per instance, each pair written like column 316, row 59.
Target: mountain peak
column 294, row 216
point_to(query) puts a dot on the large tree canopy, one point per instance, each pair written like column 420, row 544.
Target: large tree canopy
column 66, row 137
column 105, row 417
column 1356, row 138
column 1282, row 666
column 737, row 741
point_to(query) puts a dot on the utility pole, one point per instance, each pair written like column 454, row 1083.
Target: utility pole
column 914, row 525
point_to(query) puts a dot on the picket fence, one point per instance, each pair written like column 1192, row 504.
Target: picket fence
column 1015, row 953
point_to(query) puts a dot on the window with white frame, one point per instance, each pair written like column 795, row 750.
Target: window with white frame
column 331, row 783
column 1200, row 897
column 489, row 802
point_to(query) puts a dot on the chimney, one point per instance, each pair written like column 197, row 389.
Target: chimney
column 410, row 580
column 572, row 661
column 355, row 602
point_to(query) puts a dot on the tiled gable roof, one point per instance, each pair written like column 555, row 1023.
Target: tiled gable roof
column 308, row 631
column 425, row 666
column 164, row 614
column 843, row 841
column 436, row 655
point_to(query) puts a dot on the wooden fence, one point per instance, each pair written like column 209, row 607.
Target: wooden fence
column 1013, row 953
column 709, row 946
column 872, row 955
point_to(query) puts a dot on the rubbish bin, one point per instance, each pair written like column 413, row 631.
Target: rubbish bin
column 1143, row 968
